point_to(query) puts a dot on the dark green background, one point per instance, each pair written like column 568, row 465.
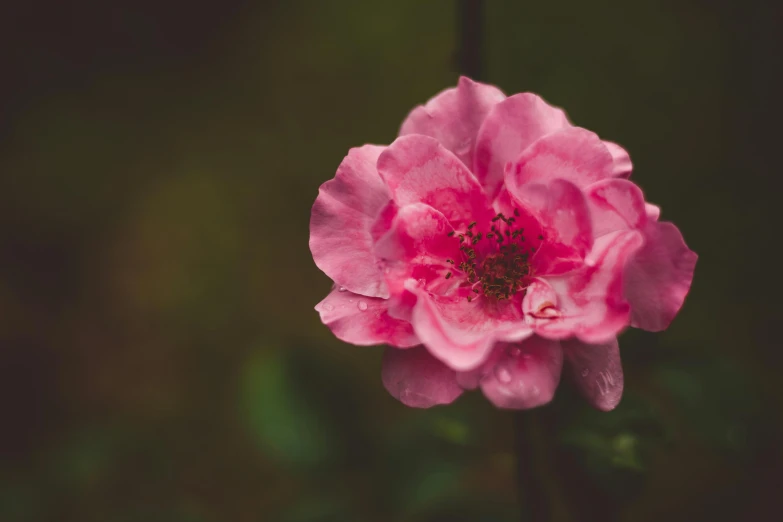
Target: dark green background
column 160, row 358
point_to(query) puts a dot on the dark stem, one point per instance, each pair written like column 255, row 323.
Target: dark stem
column 530, row 446
column 470, row 47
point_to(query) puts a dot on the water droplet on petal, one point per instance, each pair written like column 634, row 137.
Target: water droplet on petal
column 585, row 372
column 514, row 351
column 341, row 289
column 502, row 374
column 350, row 300
column 362, row 306
column 536, row 391
column 328, row 307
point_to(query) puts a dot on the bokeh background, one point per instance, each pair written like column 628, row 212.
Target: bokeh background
column 160, row 358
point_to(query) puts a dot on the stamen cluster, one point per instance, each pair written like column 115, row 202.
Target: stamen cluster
column 504, row 268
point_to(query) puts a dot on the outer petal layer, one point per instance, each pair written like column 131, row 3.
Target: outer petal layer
column 364, row 321
column 341, row 221
column 596, row 371
column 509, row 128
column 417, row 169
column 453, row 117
column 523, row 375
column 417, row 379
column 659, row 277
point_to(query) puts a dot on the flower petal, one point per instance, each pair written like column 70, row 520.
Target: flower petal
column 572, row 153
column 417, row 169
column 363, row 320
column 417, row 246
column 509, row 128
column 461, row 333
column 590, row 300
column 653, row 211
column 417, row 379
column 596, row 371
column 621, row 160
column 659, row 277
column 453, row 116
column 341, row 221
column 523, row 375
column 561, row 209
column 615, row 204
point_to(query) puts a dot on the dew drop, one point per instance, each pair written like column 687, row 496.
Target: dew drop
column 341, row 289
column 502, row 374
column 514, row 351
column 536, row 391
column 328, row 307
column 362, row 306
column 585, row 372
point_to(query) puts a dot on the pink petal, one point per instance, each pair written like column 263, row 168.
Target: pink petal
column 590, row 300
column 363, row 320
column 615, row 204
column 653, row 211
column 572, row 153
column 540, row 302
column 462, row 333
column 562, row 211
column 524, row 375
column 596, row 370
column 509, row 128
column 417, row 246
column 659, row 277
column 453, row 116
column 621, row 160
column 417, row 169
column 341, row 221
column 417, row 379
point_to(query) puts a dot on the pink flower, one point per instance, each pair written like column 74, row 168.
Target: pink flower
column 489, row 244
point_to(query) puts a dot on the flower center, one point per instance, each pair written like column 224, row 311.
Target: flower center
column 503, row 268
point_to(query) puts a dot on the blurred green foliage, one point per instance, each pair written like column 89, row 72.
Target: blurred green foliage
column 161, row 359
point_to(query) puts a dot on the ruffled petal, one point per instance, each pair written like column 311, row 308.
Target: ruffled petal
column 659, row 277
column 562, row 211
column 363, row 320
column 509, row 128
column 418, row 169
column 461, row 333
column 417, row 379
column 523, row 375
column 590, row 301
column 341, row 221
column 622, row 166
column 453, row 116
column 418, row 246
column 596, row 371
column 572, row 153
column 615, row 204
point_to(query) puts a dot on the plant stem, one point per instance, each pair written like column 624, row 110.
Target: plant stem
column 530, row 447
column 470, row 47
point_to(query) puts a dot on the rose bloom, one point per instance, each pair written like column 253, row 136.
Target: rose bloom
column 490, row 244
